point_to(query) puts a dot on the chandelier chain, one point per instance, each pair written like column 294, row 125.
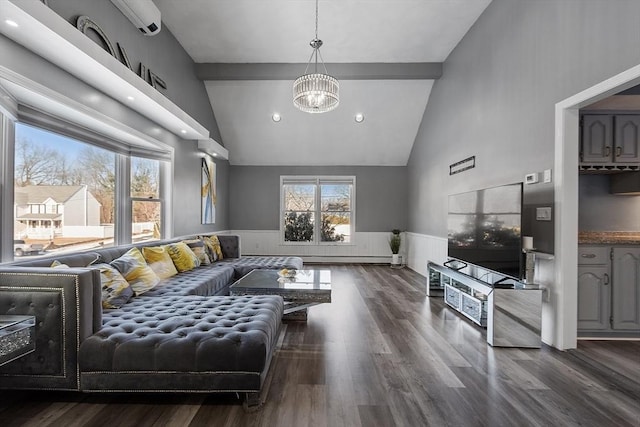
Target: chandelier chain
column 316, row 19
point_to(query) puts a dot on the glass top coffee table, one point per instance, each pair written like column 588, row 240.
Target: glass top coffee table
column 301, row 291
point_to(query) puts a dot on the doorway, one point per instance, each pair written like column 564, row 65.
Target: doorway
column 564, row 294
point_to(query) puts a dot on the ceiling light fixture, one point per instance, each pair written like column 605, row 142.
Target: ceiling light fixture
column 276, row 117
column 316, row 92
column 183, row 131
column 11, row 23
column 359, row 118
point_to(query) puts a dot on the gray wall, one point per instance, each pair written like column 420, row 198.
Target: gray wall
column 160, row 53
column 164, row 55
column 381, row 195
column 497, row 94
column 602, row 211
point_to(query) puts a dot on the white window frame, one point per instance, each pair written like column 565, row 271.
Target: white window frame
column 317, row 181
column 122, row 194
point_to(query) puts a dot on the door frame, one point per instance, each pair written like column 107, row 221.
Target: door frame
column 563, row 295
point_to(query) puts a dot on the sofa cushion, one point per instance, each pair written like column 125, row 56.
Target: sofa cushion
column 136, row 271
column 183, row 258
column 159, row 260
column 116, row 291
column 185, row 334
column 197, row 247
column 212, row 244
column 209, row 280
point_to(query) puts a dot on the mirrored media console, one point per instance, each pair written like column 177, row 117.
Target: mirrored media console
column 512, row 314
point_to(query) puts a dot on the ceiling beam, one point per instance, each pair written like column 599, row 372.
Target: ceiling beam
column 341, row 71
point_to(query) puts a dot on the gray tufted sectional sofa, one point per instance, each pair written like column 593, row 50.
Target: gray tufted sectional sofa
column 184, row 335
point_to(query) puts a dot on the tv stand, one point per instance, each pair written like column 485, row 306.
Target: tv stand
column 511, row 313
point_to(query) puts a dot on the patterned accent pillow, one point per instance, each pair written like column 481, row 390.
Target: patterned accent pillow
column 136, row 271
column 116, row 291
column 58, row 264
column 197, row 246
column 159, row 260
column 183, row 258
column 213, row 246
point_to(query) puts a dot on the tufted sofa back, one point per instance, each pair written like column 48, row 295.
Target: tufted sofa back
column 229, row 243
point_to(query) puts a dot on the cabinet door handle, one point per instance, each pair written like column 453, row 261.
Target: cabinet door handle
column 618, row 151
column 606, row 279
column 607, row 151
column 588, row 255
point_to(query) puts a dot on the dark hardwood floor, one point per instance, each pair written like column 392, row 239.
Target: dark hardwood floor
column 382, row 354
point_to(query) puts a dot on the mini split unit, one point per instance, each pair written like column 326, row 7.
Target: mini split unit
column 142, row 13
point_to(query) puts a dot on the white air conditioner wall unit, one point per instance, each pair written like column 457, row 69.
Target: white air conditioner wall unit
column 142, row 13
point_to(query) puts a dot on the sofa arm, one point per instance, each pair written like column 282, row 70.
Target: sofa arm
column 63, row 302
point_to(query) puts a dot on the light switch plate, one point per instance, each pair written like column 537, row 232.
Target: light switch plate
column 543, row 214
column 547, row 176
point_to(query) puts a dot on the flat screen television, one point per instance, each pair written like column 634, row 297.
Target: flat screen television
column 484, row 228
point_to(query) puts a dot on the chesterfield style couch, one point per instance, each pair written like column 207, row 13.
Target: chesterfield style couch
column 184, row 335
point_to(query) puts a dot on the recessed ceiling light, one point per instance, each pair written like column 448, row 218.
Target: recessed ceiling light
column 215, row 154
column 131, row 98
column 359, row 118
column 276, row 117
column 11, row 23
column 183, row 131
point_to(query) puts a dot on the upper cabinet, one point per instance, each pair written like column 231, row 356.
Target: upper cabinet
column 626, row 138
column 610, row 140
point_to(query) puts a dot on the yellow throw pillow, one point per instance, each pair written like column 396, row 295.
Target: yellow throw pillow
column 159, row 260
column 213, row 246
column 58, row 264
column 116, row 291
column 198, row 248
column 136, row 271
column 183, row 258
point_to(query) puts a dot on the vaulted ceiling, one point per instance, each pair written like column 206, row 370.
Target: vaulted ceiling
column 386, row 54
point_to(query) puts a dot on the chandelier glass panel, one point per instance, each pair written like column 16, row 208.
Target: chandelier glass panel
column 316, row 92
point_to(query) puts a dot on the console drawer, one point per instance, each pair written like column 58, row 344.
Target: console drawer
column 452, row 296
column 472, row 308
column 593, row 255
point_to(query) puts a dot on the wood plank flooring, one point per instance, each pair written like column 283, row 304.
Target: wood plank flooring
column 382, row 354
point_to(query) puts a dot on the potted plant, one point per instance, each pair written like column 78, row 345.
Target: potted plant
column 394, row 243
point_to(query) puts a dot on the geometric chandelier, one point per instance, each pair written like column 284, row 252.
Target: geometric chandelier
column 316, row 92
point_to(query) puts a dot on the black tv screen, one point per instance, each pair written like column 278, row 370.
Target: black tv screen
column 484, row 228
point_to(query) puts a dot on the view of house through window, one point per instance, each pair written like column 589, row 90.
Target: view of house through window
column 317, row 209
column 64, row 193
column 146, row 208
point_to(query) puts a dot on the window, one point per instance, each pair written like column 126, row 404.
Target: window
column 146, row 207
column 64, row 191
column 317, row 210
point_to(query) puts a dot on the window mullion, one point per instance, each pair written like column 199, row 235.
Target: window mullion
column 123, row 228
column 318, row 213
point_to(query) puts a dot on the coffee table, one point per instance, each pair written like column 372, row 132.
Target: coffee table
column 307, row 288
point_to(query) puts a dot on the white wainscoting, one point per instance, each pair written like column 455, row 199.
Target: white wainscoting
column 367, row 247
column 422, row 248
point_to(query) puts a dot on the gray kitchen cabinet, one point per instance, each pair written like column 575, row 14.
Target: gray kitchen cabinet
column 593, row 297
column 610, row 139
column 625, row 291
column 594, row 293
column 597, row 138
column 608, row 290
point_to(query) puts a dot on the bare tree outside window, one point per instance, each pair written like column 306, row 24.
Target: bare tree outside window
column 307, row 202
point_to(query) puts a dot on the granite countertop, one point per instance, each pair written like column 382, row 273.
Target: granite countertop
column 609, row 238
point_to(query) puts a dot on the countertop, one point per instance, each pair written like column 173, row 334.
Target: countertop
column 609, row 238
